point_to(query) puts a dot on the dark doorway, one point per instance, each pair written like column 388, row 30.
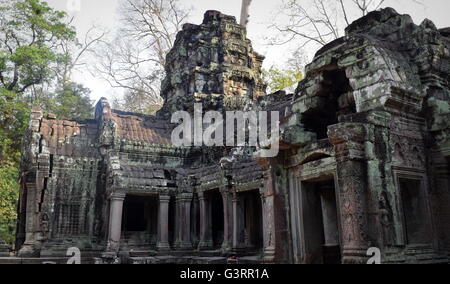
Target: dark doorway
column 253, row 227
column 217, row 219
column 415, row 211
column 320, row 223
column 134, row 217
column 139, row 221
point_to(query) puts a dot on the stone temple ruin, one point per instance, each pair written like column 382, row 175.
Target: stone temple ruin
column 364, row 159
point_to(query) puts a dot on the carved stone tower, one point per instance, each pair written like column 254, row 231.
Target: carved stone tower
column 213, row 63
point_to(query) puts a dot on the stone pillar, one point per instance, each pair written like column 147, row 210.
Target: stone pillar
column 238, row 226
column 206, row 241
column 184, row 224
column 227, row 231
column 163, row 228
column 267, row 204
column 195, row 222
column 177, row 235
column 29, row 248
column 115, row 221
column 348, row 140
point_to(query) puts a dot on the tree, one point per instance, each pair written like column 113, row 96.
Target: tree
column 75, row 52
column 318, row 22
column 278, row 79
column 32, row 37
column 30, row 33
column 135, row 58
column 9, row 190
column 245, row 12
column 14, row 115
column 138, row 101
column 36, row 58
column 72, row 101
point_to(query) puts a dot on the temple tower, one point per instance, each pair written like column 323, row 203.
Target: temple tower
column 212, row 63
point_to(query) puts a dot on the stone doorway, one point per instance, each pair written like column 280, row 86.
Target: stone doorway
column 252, row 214
column 320, row 223
column 139, row 221
column 415, row 212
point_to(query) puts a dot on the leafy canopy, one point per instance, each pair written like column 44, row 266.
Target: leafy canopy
column 72, row 101
column 30, row 34
column 279, row 79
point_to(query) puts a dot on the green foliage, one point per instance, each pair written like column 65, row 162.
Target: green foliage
column 278, row 79
column 9, row 194
column 43, row 22
column 30, row 34
column 72, row 101
column 14, row 117
column 34, row 64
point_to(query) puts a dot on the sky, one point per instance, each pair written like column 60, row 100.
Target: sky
column 262, row 12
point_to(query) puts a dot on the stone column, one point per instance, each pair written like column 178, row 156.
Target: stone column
column 238, row 226
column 348, row 140
column 177, row 235
column 227, row 236
column 195, row 221
column 267, row 204
column 29, row 247
column 115, row 221
column 206, row 241
column 163, row 230
column 184, row 225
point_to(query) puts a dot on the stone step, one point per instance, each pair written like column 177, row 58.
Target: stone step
column 53, row 260
column 143, row 253
column 426, row 258
column 210, row 253
column 176, row 260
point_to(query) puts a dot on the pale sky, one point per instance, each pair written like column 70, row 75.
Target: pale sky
column 104, row 13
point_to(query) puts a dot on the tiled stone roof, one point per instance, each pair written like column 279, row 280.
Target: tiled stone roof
column 142, row 128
